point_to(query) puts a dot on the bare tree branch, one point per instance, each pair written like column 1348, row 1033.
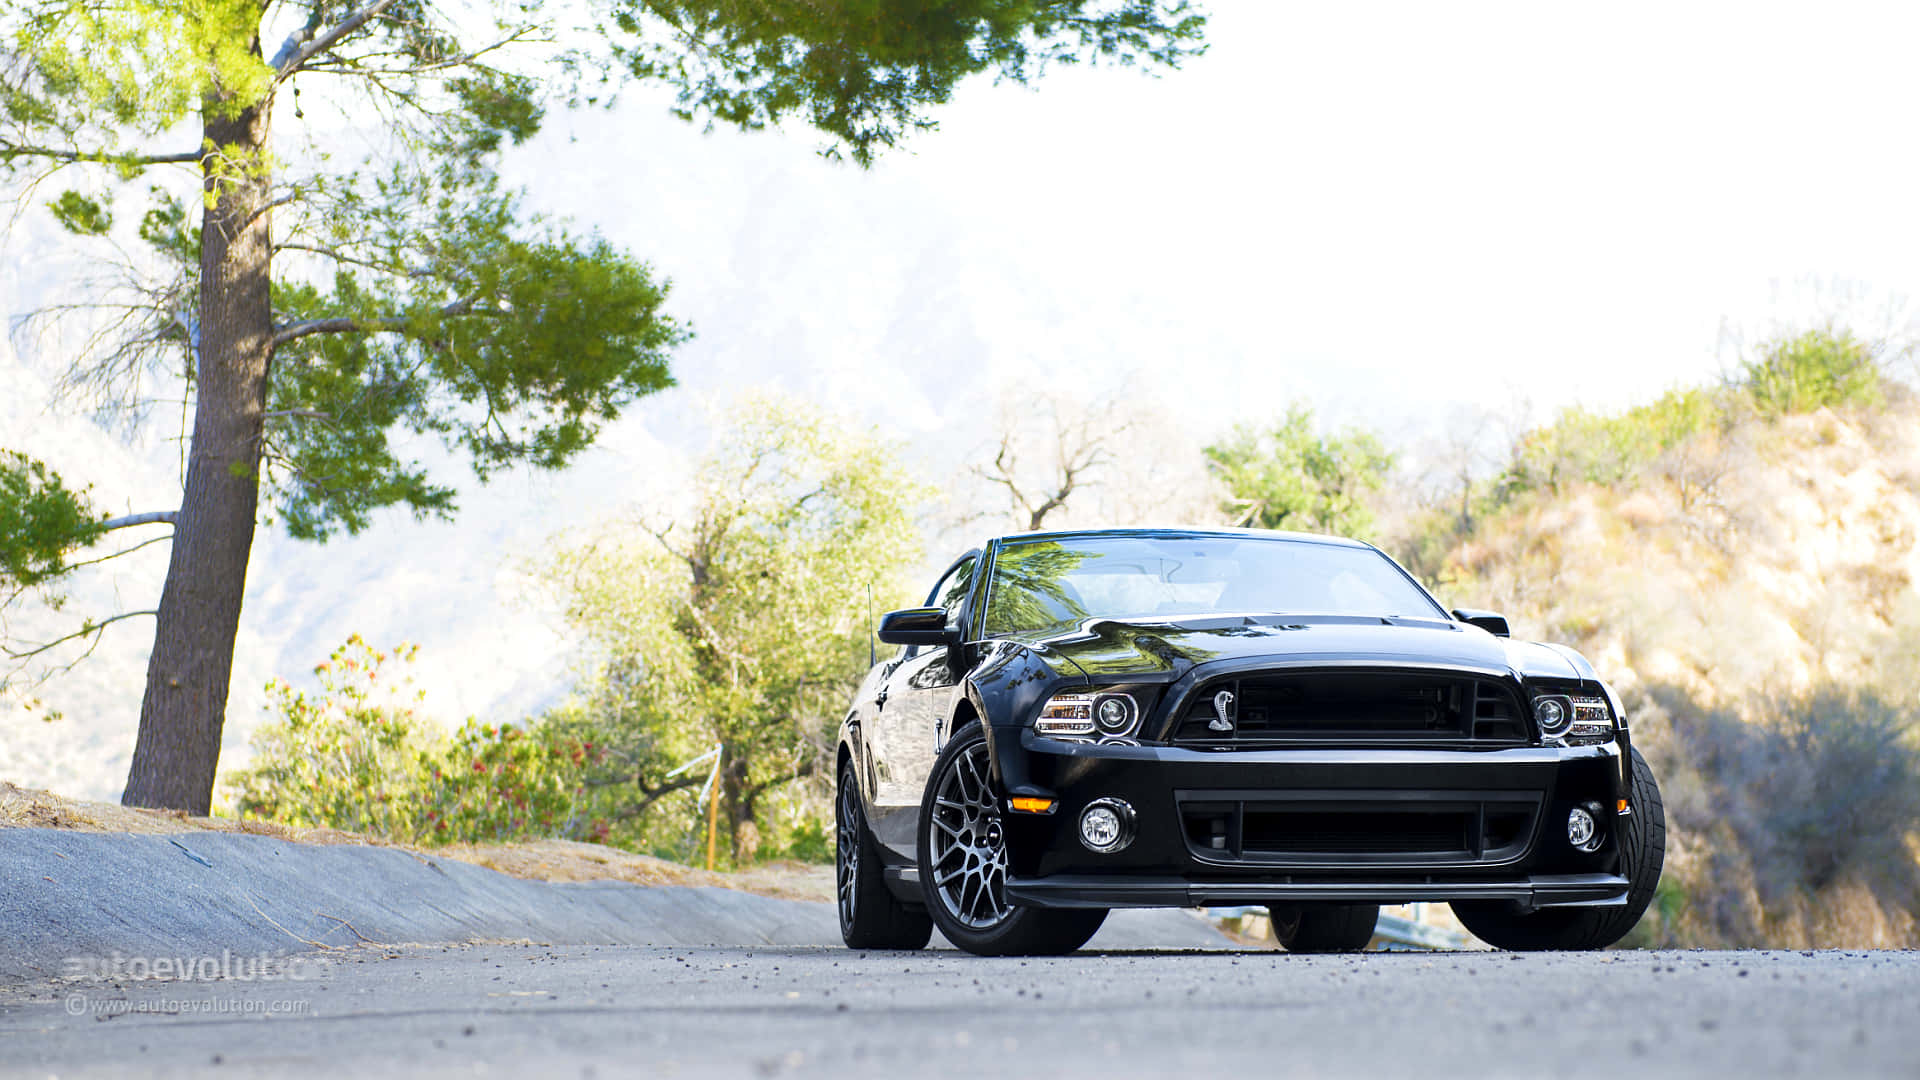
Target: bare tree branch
column 305, row 46
column 130, row 520
column 90, row 628
column 75, row 157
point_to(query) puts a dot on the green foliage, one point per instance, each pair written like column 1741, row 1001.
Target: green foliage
column 1582, row 446
column 1819, row 368
column 167, row 229
column 81, row 215
column 1825, row 367
column 1288, row 476
column 513, row 349
column 738, row 624
column 867, row 71
column 102, row 69
column 493, row 782
column 41, row 520
column 412, row 294
column 358, row 756
column 810, row 841
column 347, row 757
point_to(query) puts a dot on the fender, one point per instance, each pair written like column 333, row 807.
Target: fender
column 1006, row 690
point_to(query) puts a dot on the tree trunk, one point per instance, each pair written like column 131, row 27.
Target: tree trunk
column 192, row 662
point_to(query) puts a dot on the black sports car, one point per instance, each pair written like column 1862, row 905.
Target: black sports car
column 1175, row 718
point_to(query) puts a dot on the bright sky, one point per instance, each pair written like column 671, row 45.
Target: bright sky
column 1401, row 214
column 1392, row 211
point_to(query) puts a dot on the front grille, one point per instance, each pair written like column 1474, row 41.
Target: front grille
column 1354, row 708
column 1308, row 828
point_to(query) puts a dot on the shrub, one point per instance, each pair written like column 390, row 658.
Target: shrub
column 357, row 756
column 1812, row 800
column 1815, row 369
column 1602, row 448
column 346, row 758
column 492, row 782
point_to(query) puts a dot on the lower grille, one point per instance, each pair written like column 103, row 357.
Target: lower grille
column 1318, row 828
column 1354, row 708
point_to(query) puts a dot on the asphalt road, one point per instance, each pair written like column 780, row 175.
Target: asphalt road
column 606, row 1011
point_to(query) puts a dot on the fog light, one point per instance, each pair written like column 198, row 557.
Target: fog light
column 1106, row 825
column 1582, row 831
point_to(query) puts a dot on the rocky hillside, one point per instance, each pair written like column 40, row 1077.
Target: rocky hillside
column 1750, row 589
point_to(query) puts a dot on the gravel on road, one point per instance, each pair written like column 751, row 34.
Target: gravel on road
column 602, row 1011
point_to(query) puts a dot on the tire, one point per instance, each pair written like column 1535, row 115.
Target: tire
column 870, row 916
column 1325, row 928
column 963, row 865
column 1505, row 925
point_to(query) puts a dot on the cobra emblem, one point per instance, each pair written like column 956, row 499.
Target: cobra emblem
column 1222, row 712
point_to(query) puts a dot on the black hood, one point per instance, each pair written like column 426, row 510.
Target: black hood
column 1119, row 648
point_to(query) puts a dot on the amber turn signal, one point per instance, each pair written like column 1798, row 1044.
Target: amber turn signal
column 1623, row 807
column 1028, row 804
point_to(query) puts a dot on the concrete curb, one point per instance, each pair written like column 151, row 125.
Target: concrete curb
column 67, row 895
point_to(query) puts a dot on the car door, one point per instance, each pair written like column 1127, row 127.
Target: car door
column 910, row 715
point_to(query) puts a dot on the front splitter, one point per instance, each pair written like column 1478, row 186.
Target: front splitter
column 1098, row 891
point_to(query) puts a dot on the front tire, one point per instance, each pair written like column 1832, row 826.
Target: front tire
column 1643, row 851
column 963, row 865
column 870, row 916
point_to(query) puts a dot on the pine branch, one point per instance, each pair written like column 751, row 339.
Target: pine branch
column 386, row 324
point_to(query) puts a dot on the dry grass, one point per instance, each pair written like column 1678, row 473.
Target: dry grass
column 1742, row 575
column 541, row 860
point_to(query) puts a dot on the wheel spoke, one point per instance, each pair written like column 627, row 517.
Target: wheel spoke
column 969, row 873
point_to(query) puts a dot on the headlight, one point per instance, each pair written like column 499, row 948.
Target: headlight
column 1573, row 720
column 1592, row 722
column 1106, row 713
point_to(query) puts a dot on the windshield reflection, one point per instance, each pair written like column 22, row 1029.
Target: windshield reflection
column 1053, row 585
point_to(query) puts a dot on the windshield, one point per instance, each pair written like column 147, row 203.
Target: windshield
column 1048, row 585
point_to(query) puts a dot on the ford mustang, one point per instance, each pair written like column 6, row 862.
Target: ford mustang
column 1079, row 721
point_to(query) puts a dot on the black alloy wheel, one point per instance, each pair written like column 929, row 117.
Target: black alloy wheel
column 963, row 864
column 871, row 917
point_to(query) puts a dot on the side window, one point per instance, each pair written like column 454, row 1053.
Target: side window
column 952, row 591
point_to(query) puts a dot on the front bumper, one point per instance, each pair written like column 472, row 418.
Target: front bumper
column 1367, row 825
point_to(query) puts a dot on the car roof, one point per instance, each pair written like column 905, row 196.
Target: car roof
column 1257, row 534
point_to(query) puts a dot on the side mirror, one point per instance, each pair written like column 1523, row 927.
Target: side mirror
column 917, row 626
column 1485, row 620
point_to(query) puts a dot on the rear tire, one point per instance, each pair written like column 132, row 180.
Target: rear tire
column 1325, row 928
column 870, row 916
column 963, row 865
column 1643, row 840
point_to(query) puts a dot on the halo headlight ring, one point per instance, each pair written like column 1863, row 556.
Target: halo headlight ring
column 1554, row 715
column 1116, row 715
